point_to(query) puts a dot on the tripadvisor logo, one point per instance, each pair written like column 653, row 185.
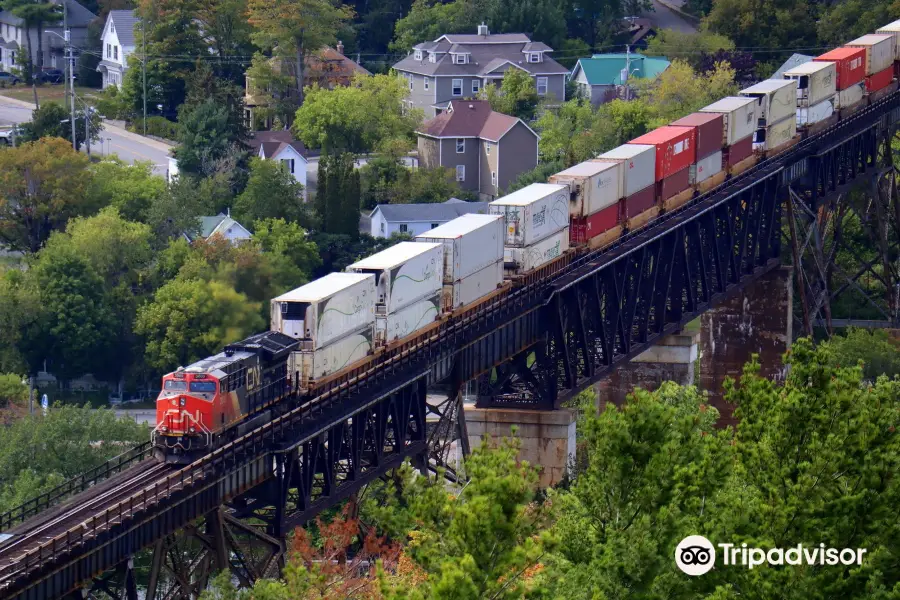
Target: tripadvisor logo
column 696, row 555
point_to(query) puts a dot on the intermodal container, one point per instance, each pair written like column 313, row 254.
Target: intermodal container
column 706, row 168
column 776, row 99
column 532, row 213
column 315, row 364
column 582, row 230
column 637, row 203
column 710, row 131
column 879, row 51
column 638, row 166
column 739, row 117
column 592, row 186
column 407, row 320
column 738, row 152
column 894, row 30
column 676, row 148
column 472, row 287
column 815, row 113
column 522, row 260
column 325, row 309
column 816, row 82
column 851, row 96
column 674, row 184
column 775, row 135
column 879, row 80
column 849, row 64
column 471, row 243
column 404, row 273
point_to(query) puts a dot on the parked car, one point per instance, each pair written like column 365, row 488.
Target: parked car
column 52, row 76
column 8, row 78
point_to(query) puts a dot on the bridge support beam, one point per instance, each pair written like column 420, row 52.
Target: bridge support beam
column 547, row 436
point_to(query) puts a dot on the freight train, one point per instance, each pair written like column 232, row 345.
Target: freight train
column 338, row 327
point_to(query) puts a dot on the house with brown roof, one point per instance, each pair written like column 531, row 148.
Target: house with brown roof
column 487, row 150
column 456, row 66
column 327, row 68
column 281, row 146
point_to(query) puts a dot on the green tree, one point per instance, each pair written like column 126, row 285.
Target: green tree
column 337, row 199
column 539, row 174
column 207, row 136
column 130, row 188
column 843, row 21
column 357, row 118
column 517, row 95
column 277, row 237
column 294, row 29
column 42, row 185
column 765, row 23
column 338, row 250
column 687, row 46
column 13, row 390
column 271, row 193
column 427, row 20
column 226, row 29
column 679, row 90
column 564, row 132
column 179, row 209
column 35, row 15
column 20, row 309
column 876, row 349
column 189, row 319
column 53, row 120
column 204, row 86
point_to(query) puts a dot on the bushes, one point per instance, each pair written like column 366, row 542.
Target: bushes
column 156, row 126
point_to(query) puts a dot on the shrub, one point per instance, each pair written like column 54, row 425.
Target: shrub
column 158, row 126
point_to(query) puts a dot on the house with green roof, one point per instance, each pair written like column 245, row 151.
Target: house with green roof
column 600, row 78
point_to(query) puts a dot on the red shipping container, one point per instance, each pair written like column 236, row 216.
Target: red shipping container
column 850, row 64
column 880, row 80
column 582, row 229
column 674, row 184
column 710, row 131
column 676, row 148
column 738, row 151
column 640, row 201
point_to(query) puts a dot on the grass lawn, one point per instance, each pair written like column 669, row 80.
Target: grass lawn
column 46, row 92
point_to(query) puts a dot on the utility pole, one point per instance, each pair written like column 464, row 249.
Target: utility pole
column 87, row 129
column 144, row 68
column 70, row 83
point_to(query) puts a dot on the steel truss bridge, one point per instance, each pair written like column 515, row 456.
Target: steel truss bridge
column 535, row 347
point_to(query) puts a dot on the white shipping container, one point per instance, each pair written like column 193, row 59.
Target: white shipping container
column 706, row 168
column 522, row 260
column 533, row 212
column 471, row 288
column 404, row 273
column 879, row 51
column 851, row 96
column 894, row 30
column 739, row 115
column 776, row 99
column 316, row 364
column 593, row 185
column 776, row 135
column 638, row 166
column 816, row 81
column 408, row 320
column 471, row 243
column 325, row 309
column 816, row 113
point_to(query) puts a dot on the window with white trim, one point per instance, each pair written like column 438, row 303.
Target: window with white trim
column 476, row 86
column 404, row 228
column 460, row 172
column 457, row 87
column 460, row 59
column 494, row 178
column 427, row 83
column 412, row 78
column 116, row 52
column 432, row 57
column 460, row 145
column 418, row 55
column 542, row 86
column 534, row 57
column 487, row 148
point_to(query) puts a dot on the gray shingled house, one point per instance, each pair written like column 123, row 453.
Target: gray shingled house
column 388, row 219
column 456, row 66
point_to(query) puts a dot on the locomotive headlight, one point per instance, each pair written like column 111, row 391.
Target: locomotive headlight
column 164, row 429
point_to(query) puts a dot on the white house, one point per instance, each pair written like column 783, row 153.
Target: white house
column 388, row 219
column 222, row 225
column 280, row 145
column 117, row 44
column 14, row 36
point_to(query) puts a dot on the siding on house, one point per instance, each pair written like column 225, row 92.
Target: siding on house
column 488, row 163
column 469, row 159
column 514, row 159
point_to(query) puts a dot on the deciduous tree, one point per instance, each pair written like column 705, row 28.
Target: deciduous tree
column 207, row 136
column 52, row 120
column 130, row 188
column 338, row 196
column 271, row 193
column 517, row 95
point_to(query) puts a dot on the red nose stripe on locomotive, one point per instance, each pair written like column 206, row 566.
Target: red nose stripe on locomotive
column 179, row 418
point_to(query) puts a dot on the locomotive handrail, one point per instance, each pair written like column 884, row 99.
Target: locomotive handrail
column 79, row 483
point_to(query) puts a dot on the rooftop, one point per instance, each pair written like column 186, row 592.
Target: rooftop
column 469, row 118
column 324, row 287
column 431, row 213
column 529, row 194
column 606, row 69
column 794, row 61
column 394, row 256
column 125, row 22
column 459, row 226
column 272, row 142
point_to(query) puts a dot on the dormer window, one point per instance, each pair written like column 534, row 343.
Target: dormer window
column 418, row 55
column 460, row 59
column 534, row 57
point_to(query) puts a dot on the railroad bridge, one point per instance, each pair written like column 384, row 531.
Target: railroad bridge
column 533, row 348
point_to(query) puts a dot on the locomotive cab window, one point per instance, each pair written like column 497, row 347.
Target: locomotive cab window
column 203, row 386
column 176, row 386
column 803, row 82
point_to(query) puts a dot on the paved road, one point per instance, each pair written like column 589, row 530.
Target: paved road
column 666, row 18
column 114, row 140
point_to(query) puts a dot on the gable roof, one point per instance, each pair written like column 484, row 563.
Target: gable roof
column 273, row 142
column 794, row 61
column 494, row 38
column 125, row 22
column 469, row 118
column 329, row 63
column 218, row 224
column 432, row 213
column 606, row 69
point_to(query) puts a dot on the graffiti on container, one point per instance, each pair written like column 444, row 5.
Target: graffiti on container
column 540, row 217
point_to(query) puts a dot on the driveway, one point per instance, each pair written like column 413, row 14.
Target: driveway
column 666, row 18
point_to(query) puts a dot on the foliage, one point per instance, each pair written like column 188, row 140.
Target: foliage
column 189, row 319
column 427, row 20
column 53, row 120
column 289, row 240
column 19, row 309
column 338, row 251
column 337, row 199
column 686, row 46
column 539, row 174
column 543, row 20
column 13, row 391
column 517, row 95
column 357, row 118
column 178, row 210
column 204, row 86
column 207, row 136
column 113, row 104
column 35, row 14
column 565, row 132
column 878, row 352
column 131, row 188
column 843, row 21
column 42, row 185
column 157, row 126
column 679, row 90
column 271, row 193
column 39, row 452
column 764, row 24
